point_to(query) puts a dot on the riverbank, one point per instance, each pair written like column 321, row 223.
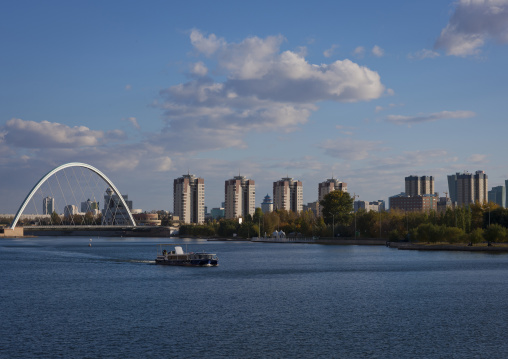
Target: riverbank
column 330, row 241
column 483, row 247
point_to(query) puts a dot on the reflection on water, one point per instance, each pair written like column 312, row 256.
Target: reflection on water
column 61, row 298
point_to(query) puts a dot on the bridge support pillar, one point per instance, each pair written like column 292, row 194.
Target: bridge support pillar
column 11, row 233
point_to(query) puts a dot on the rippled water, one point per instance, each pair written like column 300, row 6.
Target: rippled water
column 61, row 298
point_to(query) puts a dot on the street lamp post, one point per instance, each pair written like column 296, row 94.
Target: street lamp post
column 354, row 197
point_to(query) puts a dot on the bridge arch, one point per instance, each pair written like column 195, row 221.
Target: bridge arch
column 59, row 168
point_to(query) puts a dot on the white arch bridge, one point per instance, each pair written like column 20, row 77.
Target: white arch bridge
column 38, row 185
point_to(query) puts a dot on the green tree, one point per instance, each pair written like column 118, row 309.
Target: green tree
column 476, row 236
column 55, row 218
column 337, row 208
column 495, row 233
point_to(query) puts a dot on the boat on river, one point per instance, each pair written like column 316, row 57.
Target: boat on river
column 177, row 257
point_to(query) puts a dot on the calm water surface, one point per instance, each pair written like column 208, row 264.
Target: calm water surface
column 61, row 298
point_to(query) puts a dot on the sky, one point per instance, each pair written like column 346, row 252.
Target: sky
column 367, row 92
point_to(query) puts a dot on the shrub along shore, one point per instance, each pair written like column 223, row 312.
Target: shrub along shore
column 469, row 225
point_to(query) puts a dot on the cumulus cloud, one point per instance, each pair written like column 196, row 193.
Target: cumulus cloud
column 265, row 89
column 472, row 23
column 359, row 52
column 45, row 134
column 377, row 51
column 349, row 149
column 199, row 68
column 408, row 120
column 329, row 52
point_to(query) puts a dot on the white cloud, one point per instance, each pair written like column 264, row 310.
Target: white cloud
column 199, row 68
column 472, row 23
column 265, row 89
column 377, row 51
column 359, row 52
column 30, row 134
column 329, row 52
column 403, row 120
column 164, row 164
column 423, row 54
column 207, row 45
column 133, row 121
column 477, row 158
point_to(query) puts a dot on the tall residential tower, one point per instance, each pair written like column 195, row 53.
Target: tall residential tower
column 48, row 205
column 189, row 199
column 419, row 186
column 288, row 195
column 466, row 188
column 240, row 197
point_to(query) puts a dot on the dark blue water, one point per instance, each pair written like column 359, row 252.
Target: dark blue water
column 60, row 298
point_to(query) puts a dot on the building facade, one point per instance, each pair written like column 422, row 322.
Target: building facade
column 189, row 199
column 48, row 205
column 466, row 188
column 376, row 206
column 267, row 204
column 89, row 206
column 498, row 195
column 114, row 212
column 288, row 195
column 419, row 186
column 328, row 186
column 239, row 197
column 312, row 206
column 403, row 202
column 217, row 213
column 70, row 210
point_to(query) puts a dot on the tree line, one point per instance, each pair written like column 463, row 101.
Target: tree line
column 468, row 224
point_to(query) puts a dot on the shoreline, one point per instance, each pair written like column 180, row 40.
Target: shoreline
column 446, row 247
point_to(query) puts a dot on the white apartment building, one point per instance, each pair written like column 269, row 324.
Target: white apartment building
column 189, row 199
column 288, row 195
column 240, row 197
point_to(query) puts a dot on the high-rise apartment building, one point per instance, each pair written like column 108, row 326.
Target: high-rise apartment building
column 189, row 199
column 466, row 188
column 419, row 186
column 498, row 195
column 240, row 197
column 288, row 195
column 328, row 186
column 48, row 205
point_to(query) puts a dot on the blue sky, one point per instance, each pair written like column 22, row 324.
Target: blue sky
column 366, row 91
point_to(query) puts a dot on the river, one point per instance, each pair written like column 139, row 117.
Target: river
column 61, row 298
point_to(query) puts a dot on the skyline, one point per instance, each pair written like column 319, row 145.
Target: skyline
column 148, row 92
